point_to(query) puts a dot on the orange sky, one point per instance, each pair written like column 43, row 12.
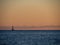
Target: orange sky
column 29, row 13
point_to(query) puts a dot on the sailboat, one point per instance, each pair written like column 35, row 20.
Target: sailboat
column 12, row 28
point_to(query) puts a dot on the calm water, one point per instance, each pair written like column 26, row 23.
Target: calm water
column 29, row 37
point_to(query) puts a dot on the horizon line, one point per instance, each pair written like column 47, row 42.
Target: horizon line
column 30, row 26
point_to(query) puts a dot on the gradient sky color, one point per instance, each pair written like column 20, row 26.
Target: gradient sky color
column 29, row 13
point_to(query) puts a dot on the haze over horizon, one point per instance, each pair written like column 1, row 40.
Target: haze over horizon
column 29, row 12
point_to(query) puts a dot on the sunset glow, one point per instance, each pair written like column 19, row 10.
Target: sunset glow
column 29, row 13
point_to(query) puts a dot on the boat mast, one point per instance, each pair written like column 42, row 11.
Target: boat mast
column 12, row 28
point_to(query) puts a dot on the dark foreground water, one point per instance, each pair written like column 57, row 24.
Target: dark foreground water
column 30, row 37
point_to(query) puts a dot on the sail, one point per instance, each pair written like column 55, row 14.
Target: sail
column 12, row 28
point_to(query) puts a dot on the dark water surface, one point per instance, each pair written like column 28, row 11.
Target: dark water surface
column 30, row 37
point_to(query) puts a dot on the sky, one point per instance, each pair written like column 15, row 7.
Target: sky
column 29, row 13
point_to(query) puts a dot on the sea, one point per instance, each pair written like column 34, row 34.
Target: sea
column 30, row 37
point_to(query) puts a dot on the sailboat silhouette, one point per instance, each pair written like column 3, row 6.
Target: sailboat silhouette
column 12, row 28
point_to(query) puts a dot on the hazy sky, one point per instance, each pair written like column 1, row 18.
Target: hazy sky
column 29, row 12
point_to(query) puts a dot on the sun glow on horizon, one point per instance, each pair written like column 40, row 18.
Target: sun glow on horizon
column 30, row 12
